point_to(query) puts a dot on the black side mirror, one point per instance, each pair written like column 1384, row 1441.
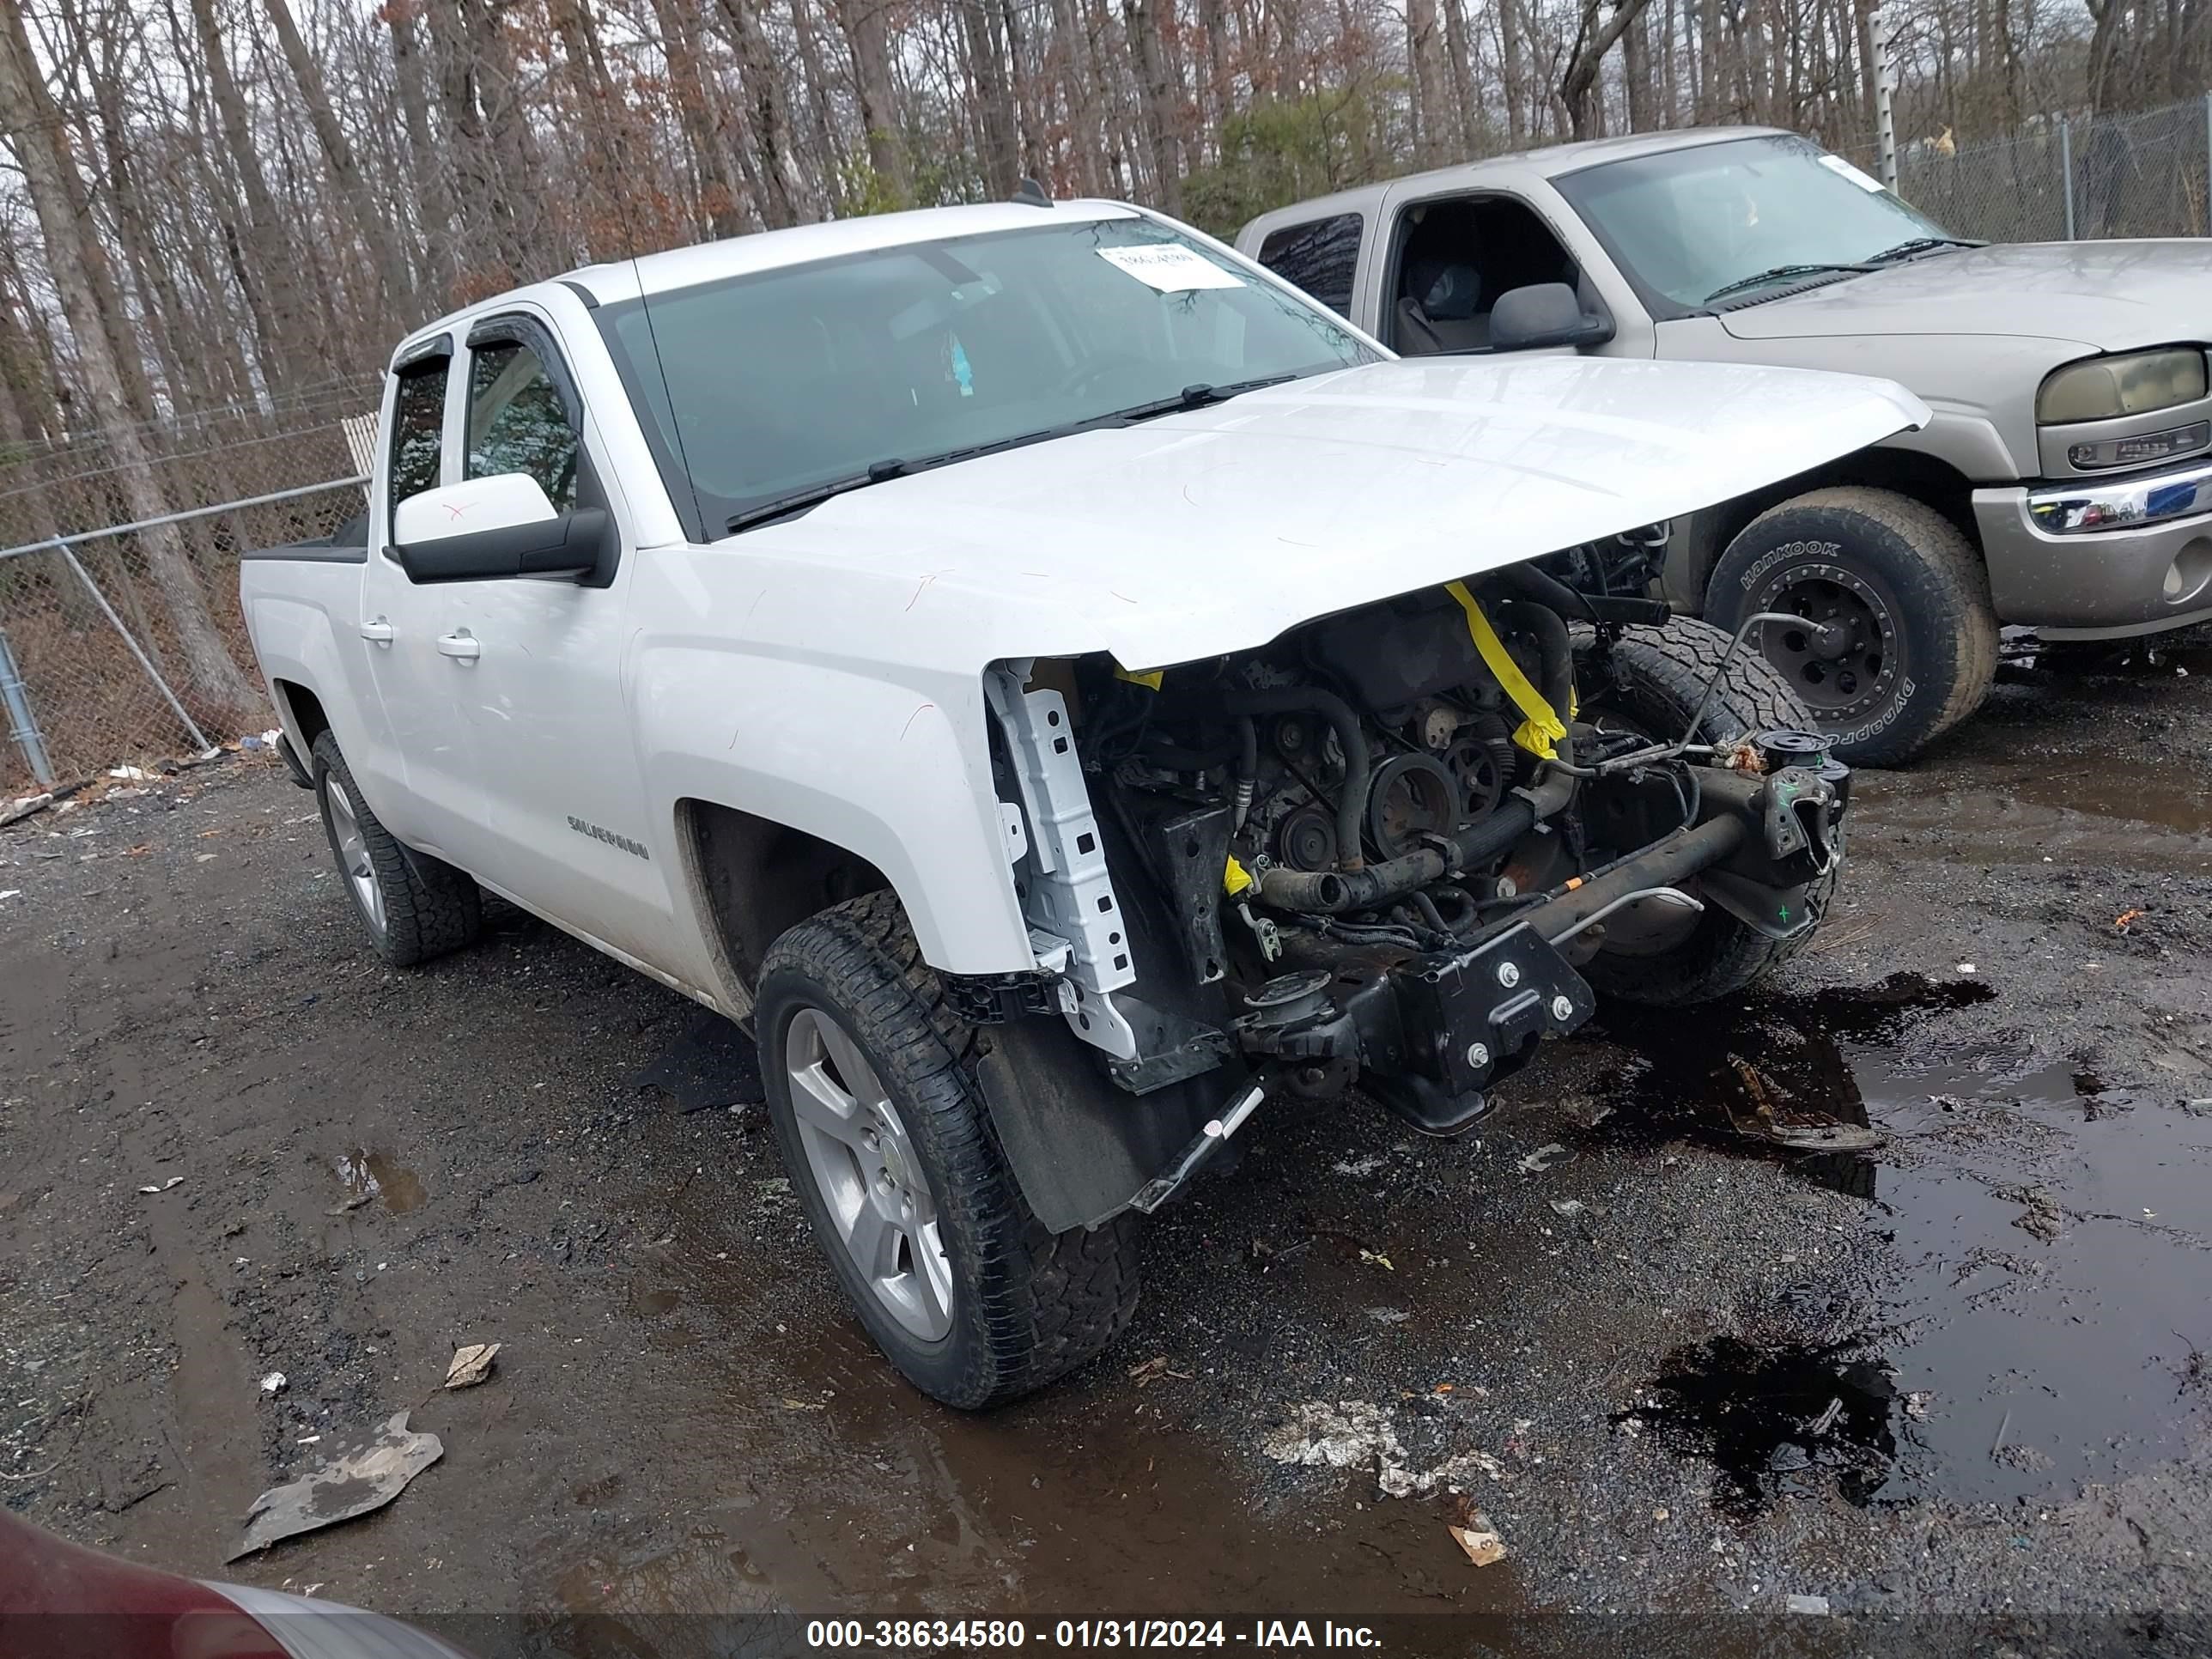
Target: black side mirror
column 1545, row 314
column 579, row 544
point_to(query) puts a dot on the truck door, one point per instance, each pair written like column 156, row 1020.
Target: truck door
column 419, row 772
column 1450, row 255
column 546, row 692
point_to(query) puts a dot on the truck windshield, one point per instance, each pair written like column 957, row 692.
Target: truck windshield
column 765, row 388
column 1715, row 222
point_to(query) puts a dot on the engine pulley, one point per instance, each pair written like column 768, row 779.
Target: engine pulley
column 1413, row 797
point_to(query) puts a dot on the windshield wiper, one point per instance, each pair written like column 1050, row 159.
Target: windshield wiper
column 800, row 501
column 1775, row 274
column 1921, row 245
column 1191, row 397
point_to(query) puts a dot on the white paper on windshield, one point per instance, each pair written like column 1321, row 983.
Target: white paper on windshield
column 1837, row 164
column 1169, row 268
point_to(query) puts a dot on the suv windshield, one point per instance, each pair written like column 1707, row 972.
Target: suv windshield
column 767, row 387
column 1742, row 218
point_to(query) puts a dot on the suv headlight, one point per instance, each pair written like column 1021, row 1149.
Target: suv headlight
column 2103, row 388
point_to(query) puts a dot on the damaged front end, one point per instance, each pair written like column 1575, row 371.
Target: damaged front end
column 1384, row 851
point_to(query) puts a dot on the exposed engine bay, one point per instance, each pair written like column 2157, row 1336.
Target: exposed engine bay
column 1399, row 846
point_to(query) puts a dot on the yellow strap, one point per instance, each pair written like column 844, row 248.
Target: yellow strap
column 1234, row 878
column 1540, row 727
column 1152, row 680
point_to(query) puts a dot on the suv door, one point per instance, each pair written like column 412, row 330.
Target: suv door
column 546, row 695
column 422, row 780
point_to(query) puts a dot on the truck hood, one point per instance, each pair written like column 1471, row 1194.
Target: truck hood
column 1214, row 531
column 2100, row 296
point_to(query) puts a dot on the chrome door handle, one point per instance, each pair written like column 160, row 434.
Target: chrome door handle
column 377, row 631
column 461, row 646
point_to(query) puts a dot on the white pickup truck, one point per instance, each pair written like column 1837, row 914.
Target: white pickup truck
column 1055, row 683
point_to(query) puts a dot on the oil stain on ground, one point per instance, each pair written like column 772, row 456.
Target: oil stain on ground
column 2035, row 1315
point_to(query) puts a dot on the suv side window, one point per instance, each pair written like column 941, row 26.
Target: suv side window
column 517, row 422
column 1319, row 256
column 418, row 422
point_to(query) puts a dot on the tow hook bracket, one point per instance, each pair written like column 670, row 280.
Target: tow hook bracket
column 1481, row 1013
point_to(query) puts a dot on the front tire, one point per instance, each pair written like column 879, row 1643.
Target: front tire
column 414, row 906
column 885, row 1133
column 1911, row 644
column 1659, row 673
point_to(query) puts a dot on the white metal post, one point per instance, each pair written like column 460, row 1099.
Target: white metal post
column 21, row 726
column 137, row 650
column 2066, row 167
column 1885, row 88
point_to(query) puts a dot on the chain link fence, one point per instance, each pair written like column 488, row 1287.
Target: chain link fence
column 2061, row 177
column 125, row 642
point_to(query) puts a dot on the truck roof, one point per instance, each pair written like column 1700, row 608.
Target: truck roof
column 1516, row 168
column 768, row 250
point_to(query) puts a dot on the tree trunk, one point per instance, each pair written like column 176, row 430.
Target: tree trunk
column 375, row 232
column 765, row 112
column 1424, row 46
column 291, row 349
column 1156, row 100
column 42, row 149
column 1578, row 85
column 680, row 46
column 431, row 186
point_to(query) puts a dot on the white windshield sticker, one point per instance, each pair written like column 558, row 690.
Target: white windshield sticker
column 1837, row 164
column 1169, row 268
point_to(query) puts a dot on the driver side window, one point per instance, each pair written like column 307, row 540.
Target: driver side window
column 517, row 422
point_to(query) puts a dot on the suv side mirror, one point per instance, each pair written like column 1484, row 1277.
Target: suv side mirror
column 487, row 529
column 1545, row 314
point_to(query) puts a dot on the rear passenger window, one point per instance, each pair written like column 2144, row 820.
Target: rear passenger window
column 518, row 424
column 418, row 419
column 1319, row 256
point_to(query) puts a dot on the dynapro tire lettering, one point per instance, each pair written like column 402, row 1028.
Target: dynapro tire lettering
column 1786, row 552
column 635, row 849
column 1888, row 717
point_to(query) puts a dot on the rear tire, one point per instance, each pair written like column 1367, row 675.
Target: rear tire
column 884, row 1128
column 1659, row 674
column 414, row 906
column 1917, row 639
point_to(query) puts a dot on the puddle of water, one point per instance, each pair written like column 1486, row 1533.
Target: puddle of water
column 2070, row 797
column 2044, row 1239
column 365, row 1176
column 710, row 1064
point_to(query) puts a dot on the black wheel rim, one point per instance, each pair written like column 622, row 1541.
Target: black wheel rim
column 1850, row 664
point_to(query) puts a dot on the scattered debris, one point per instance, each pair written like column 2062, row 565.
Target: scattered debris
column 1340, row 1436
column 1389, row 1316
column 1568, row 1206
column 2125, row 917
column 1360, row 1168
column 1540, row 1160
column 1151, row 1370
column 273, row 1383
column 472, row 1364
column 2040, row 1214
column 1809, row 1604
column 130, row 774
column 791, row 1405
column 363, row 1479
column 23, row 806
column 1375, row 1258
column 1916, row 1404
column 1967, row 968
column 1826, row 1420
column 12, row 892
column 173, row 1181
column 1478, row 1539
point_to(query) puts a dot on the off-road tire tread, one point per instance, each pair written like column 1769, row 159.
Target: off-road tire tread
column 1956, row 593
column 1675, row 659
column 1050, row 1301
column 430, row 908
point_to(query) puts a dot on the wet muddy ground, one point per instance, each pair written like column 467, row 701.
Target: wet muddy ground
column 1680, row 1370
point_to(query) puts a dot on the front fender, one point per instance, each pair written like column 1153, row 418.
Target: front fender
column 894, row 770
